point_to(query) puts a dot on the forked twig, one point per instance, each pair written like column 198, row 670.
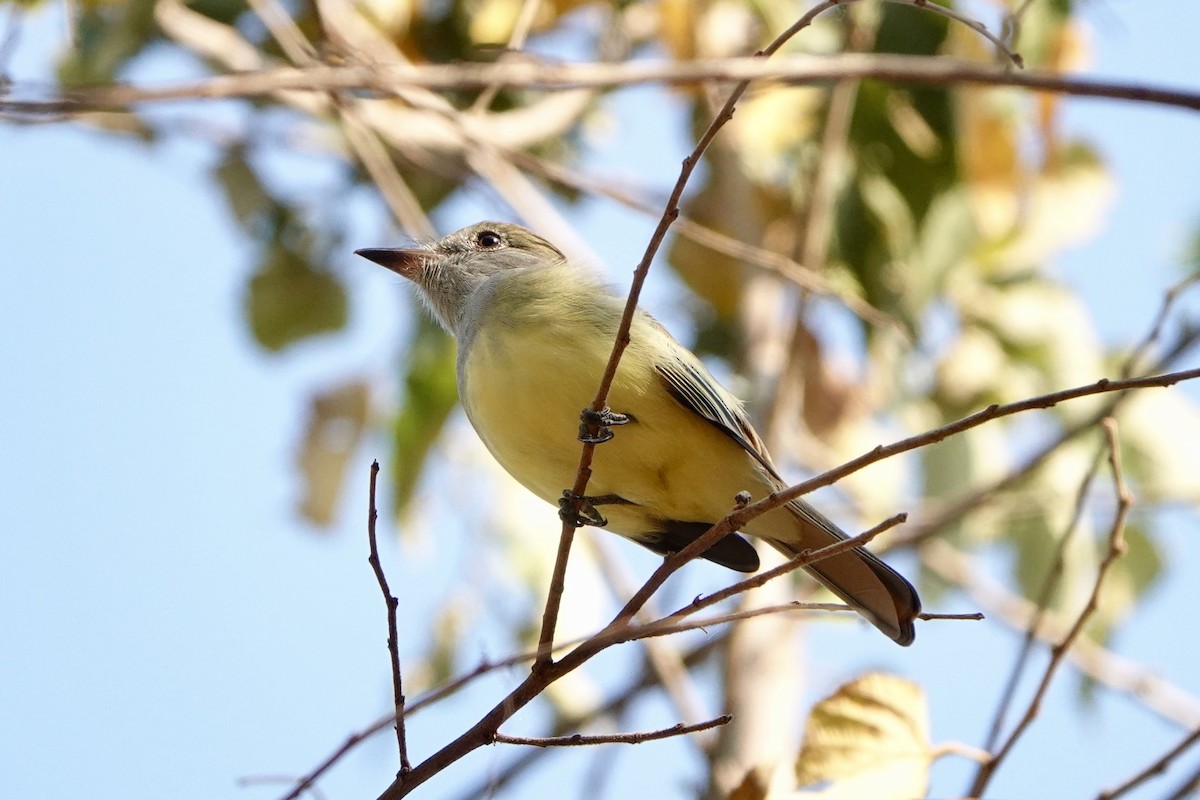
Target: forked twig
column 1116, row 548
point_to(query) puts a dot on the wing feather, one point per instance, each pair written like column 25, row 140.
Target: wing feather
column 694, row 389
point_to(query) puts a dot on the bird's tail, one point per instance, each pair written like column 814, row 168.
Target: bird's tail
column 871, row 587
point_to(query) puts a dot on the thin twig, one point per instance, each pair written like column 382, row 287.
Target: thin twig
column 620, row 699
column 478, row 735
column 738, row 519
column 1187, row 788
column 262, row 780
column 1140, row 682
column 802, row 560
column 1170, row 298
column 393, row 639
column 1053, row 575
column 970, row 616
column 1001, row 47
column 1157, row 768
column 665, row 660
column 580, row 740
column 1116, row 548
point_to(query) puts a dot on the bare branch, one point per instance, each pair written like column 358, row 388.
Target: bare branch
column 393, row 639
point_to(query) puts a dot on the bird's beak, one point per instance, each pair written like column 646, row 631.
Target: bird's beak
column 403, row 262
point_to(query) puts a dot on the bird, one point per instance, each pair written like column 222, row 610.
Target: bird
column 535, row 332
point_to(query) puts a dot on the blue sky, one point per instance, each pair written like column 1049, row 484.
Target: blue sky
column 169, row 626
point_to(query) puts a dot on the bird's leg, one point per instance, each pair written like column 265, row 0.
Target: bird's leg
column 578, row 511
column 601, row 420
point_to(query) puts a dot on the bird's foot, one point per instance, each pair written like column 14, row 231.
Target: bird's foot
column 602, row 421
column 578, row 511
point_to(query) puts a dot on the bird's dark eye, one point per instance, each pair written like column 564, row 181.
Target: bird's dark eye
column 488, row 239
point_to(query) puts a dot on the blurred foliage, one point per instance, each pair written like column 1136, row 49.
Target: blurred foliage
column 946, row 204
column 944, row 209
column 431, row 394
column 336, row 422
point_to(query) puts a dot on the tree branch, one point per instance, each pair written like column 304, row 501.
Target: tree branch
column 386, row 80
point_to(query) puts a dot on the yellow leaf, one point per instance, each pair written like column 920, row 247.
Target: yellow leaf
column 335, row 426
column 870, row 738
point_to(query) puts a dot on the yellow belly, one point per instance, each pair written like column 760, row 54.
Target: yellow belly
column 524, row 392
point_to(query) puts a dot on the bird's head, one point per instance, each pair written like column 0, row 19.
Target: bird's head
column 448, row 270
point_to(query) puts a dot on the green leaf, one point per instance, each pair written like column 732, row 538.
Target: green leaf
column 1034, row 546
column 1142, row 563
column 109, row 35
column 290, row 299
column 431, row 393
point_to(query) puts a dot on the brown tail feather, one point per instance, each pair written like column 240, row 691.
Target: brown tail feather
column 871, row 587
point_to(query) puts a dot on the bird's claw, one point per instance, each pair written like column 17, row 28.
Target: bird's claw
column 578, row 511
column 601, row 421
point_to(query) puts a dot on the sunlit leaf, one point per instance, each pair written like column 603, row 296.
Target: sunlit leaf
column 1159, row 431
column 1040, row 33
column 868, row 739
column 1065, row 204
column 770, row 127
column 492, row 21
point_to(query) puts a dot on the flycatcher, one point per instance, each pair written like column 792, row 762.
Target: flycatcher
column 534, row 335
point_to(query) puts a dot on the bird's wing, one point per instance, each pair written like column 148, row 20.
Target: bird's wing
column 690, row 384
